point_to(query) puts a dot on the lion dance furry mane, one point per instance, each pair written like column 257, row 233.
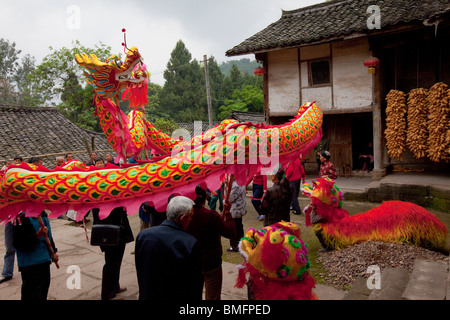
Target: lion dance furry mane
column 392, row 221
column 276, row 261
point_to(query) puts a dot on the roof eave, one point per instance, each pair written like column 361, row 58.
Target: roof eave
column 351, row 36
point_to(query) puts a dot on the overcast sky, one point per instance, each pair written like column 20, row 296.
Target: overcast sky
column 208, row 27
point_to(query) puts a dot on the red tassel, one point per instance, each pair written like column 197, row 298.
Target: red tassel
column 136, row 95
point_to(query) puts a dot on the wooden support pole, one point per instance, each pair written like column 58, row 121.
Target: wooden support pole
column 208, row 93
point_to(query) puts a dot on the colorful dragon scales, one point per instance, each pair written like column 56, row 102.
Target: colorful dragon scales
column 392, row 221
column 230, row 147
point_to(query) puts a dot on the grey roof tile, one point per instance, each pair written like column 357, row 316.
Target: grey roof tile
column 336, row 19
column 28, row 132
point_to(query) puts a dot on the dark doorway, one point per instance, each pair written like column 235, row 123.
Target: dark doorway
column 362, row 134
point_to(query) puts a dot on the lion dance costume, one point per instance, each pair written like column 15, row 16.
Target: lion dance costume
column 392, row 221
column 276, row 260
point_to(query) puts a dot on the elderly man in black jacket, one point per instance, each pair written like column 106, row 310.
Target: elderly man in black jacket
column 167, row 258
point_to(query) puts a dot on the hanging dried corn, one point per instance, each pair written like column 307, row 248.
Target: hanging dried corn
column 395, row 132
column 417, row 134
column 438, row 123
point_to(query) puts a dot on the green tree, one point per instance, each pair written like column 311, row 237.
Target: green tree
column 58, row 70
column 216, row 82
column 14, row 85
column 165, row 125
column 61, row 82
column 27, row 93
column 245, row 65
column 183, row 95
column 234, row 81
column 248, row 99
column 153, row 108
column 8, row 67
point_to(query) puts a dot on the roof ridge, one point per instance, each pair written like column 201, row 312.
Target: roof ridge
column 313, row 8
column 248, row 112
column 14, row 106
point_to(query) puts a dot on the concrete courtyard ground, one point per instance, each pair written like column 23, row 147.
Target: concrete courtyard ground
column 74, row 250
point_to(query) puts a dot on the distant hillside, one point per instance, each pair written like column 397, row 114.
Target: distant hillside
column 244, row 64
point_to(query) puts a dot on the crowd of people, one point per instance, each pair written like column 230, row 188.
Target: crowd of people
column 94, row 160
column 177, row 252
column 30, row 239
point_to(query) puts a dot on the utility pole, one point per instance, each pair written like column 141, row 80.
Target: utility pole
column 208, row 93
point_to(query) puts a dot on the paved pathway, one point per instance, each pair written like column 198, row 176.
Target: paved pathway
column 75, row 251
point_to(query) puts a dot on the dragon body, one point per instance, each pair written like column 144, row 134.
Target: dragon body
column 392, row 221
column 33, row 189
column 230, row 147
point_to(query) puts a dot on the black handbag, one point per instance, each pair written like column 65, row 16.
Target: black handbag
column 105, row 235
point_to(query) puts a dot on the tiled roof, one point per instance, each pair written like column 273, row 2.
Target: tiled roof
column 190, row 126
column 241, row 116
column 337, row 19
column 28, row 132
column 253, row 117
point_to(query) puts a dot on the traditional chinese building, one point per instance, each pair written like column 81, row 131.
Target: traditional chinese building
column 317, row 53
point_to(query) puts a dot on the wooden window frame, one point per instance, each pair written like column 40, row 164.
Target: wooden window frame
column 310, row 77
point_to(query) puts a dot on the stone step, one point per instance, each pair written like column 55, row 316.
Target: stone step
column 328, row 293
column 393, row 284
column 359, row 290
column 428, row 281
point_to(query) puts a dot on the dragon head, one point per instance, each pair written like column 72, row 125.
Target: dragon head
column 110, row 77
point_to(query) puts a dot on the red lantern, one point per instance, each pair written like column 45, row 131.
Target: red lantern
column 372, row 63
column 259, row 71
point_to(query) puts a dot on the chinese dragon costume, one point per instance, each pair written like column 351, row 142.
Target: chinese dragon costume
column 231, row 147
column 392, row 221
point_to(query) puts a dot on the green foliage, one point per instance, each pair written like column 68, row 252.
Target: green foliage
column 165, row 125
column 59, row 81
column 15, row 86
column 58, row 75
column 8, row 68
column 245, row 65
column 183, row 95
column 249, row 98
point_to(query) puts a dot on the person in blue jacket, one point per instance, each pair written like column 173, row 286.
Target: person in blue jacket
column 33, row 256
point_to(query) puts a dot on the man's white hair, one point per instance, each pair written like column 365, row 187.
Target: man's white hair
column 178, row 207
